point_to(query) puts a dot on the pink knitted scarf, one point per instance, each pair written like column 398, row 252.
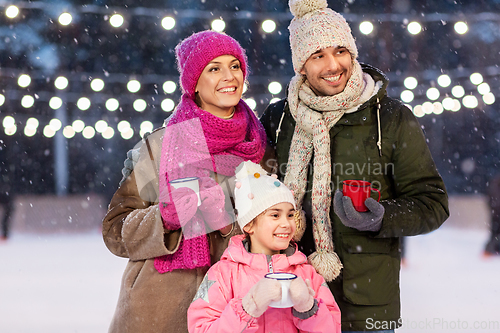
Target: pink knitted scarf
column 197, row 143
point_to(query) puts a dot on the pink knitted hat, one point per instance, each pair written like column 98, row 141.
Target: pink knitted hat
column 197, row 50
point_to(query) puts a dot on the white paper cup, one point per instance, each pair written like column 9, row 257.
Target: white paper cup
column 189, row 182
column 285, row 279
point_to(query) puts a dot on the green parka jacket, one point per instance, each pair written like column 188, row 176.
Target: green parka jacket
column 412, row 193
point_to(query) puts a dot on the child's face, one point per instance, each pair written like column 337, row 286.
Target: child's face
column 272, row 231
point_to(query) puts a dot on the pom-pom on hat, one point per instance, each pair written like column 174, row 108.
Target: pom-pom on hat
column 196, row 51
column 255, row 192
column 316, row 27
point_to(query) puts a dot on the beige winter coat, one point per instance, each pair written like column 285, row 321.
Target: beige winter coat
column 132, row 228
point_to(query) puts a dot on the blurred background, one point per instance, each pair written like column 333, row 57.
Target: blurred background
column 82, row 81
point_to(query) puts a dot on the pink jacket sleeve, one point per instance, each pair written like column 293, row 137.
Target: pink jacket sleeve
column 213, row 309
column 327, row 318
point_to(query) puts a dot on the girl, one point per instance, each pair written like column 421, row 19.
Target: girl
column 235, row 294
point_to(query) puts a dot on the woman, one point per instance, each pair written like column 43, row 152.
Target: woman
column 211, row 131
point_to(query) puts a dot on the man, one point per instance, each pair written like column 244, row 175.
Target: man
column 337, row 123
column 493, row 245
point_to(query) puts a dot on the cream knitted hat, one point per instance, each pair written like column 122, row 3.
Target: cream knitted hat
column 316, row 27
column 255, row 192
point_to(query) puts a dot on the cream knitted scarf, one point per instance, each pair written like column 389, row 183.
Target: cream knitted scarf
column 315, row 116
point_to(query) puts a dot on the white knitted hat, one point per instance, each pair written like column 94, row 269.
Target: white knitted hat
column 255, row 192
column 316, row 27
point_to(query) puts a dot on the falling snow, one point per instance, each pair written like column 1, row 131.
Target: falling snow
column 70, row 283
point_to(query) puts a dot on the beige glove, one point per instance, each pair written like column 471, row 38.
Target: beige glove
column 302, row 295
column 257, row 300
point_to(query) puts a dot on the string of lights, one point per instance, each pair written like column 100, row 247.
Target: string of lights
column 427, row 94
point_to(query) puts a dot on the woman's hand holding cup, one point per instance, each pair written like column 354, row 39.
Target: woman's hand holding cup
column 178, row 207
column 213, row 204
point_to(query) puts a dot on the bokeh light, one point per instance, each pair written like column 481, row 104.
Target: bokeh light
column 78, row 125
column 433, row 93
column 169, row 87
column 65, row 18
column 407, row 96
column 24, row 80
column 476, row 78
column 12, row 11
column 108, row 133
column 8, row 121
column 48, row 132
column 112, row 104
column 97, row 85
column 61, row 83
column 88, row 132
column 55, row 124
column 489, row 98
column 218, row 25
column 27, row 101
column 414, row 28
column 458, row 91
column 55, row 103
column 470, row 101
column 146, row 127
column 101, row 125
column 366, row 27
column 123, row 126
column 167, row 105
column 168, row 23
column 461, row 27
column 251, row 103
column 68, row 132
column 410, row 83
column 274, row 87
column 268, row 26
column 140, row 105
column 83, row 103
column 116, row 20
column 444, row 80
column 133, row 86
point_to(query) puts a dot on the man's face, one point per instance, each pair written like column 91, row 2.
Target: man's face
column 328, row 70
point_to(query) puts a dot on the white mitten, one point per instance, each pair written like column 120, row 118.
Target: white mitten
column 257, row 300
column 302, row 295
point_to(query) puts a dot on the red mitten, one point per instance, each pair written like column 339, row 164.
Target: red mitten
column 213, row 203
column 258, row 298
column 178, row 207
column 301, row 294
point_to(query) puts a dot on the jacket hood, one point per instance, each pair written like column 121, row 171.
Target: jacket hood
column 378, row 76
column 236, row 252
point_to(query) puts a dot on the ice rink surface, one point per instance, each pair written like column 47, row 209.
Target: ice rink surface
column 69, row 283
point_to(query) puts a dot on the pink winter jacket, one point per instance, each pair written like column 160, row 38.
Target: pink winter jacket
column 217, row 305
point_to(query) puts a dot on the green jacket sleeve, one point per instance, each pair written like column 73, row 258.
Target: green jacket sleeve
column 420, row 202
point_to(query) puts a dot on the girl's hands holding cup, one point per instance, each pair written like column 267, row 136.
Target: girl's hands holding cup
column 258, row 298
column 301, row 294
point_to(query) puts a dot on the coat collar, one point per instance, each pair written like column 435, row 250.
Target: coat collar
column 236, row 252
